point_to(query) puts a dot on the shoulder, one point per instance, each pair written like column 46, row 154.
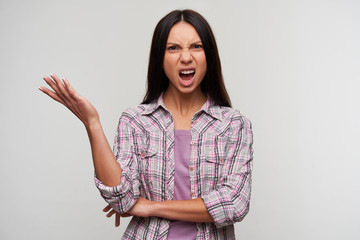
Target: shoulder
column 135, row 111
column 233, row 116
column 135, row 114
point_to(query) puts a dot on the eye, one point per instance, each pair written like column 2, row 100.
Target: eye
column 197, row 46
column 172, row 48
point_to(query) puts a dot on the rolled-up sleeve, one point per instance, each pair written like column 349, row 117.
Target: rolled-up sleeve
column 229, row 201
column 122, row 197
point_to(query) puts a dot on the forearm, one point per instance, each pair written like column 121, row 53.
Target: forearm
column 107, row 169
column 185, row 210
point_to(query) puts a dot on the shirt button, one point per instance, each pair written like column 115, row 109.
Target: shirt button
column 221, row 160
column 192, row 142
column 192, row 194
column 143, row 154
column 191, row 168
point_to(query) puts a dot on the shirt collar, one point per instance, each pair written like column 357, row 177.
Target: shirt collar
column 209, row 107
column 213, row 110
column 153, row 106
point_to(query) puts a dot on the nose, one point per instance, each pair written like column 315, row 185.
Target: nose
column 185, row 56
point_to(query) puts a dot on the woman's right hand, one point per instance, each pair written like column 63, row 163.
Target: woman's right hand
column 107, row 169
column 66, row 95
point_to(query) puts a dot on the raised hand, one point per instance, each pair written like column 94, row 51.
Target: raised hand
column 106, row 167
column 66, row 95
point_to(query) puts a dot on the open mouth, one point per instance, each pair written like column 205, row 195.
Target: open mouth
column 186, row 75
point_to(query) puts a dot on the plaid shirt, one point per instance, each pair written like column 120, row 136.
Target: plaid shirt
column 219, row 167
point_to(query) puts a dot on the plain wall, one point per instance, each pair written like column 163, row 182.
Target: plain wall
column 292, row 67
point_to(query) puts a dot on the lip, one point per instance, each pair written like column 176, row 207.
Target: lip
column 186, row 69
column 187, row 83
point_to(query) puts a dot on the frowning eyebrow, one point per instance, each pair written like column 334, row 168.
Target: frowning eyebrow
column 173, row 43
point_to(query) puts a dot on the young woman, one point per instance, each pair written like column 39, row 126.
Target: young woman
column 182, row 160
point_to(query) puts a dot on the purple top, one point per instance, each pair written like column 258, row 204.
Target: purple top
column 182, row 229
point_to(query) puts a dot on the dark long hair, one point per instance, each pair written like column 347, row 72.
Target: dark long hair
column 157, row 82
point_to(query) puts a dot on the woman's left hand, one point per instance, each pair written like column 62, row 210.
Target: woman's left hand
column 117, row 215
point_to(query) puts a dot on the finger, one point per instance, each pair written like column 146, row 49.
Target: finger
column 126, row 215
column 112, row 212
column 51, row 94
column 56, row 79
column 61, row 88
column 67, row 84
column 55, row 87
column 56, row 97
column 107, row 208
column 117, row 219
column 72, row 93
column 63, row 93
column 49, row 81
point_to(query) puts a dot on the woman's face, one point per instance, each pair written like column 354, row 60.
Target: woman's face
column 184, row 59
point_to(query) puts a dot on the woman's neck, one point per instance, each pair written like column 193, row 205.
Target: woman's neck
column 184, row 104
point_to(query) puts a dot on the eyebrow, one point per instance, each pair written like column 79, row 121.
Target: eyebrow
column 172, row 43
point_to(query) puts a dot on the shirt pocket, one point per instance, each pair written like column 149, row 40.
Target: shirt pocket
column 148, row 158
column 214, row 160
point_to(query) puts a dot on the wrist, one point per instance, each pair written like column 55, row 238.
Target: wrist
column 93, row 126
column 156, row 209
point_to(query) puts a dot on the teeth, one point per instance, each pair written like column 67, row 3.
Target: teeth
column 187, row 72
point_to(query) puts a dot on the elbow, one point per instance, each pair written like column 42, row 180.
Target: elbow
column 228, row 205
column 122, row 197
column 121, row 205
column 232, row 214
column 240, row 215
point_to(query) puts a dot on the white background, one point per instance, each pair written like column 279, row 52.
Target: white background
column 292, row 67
